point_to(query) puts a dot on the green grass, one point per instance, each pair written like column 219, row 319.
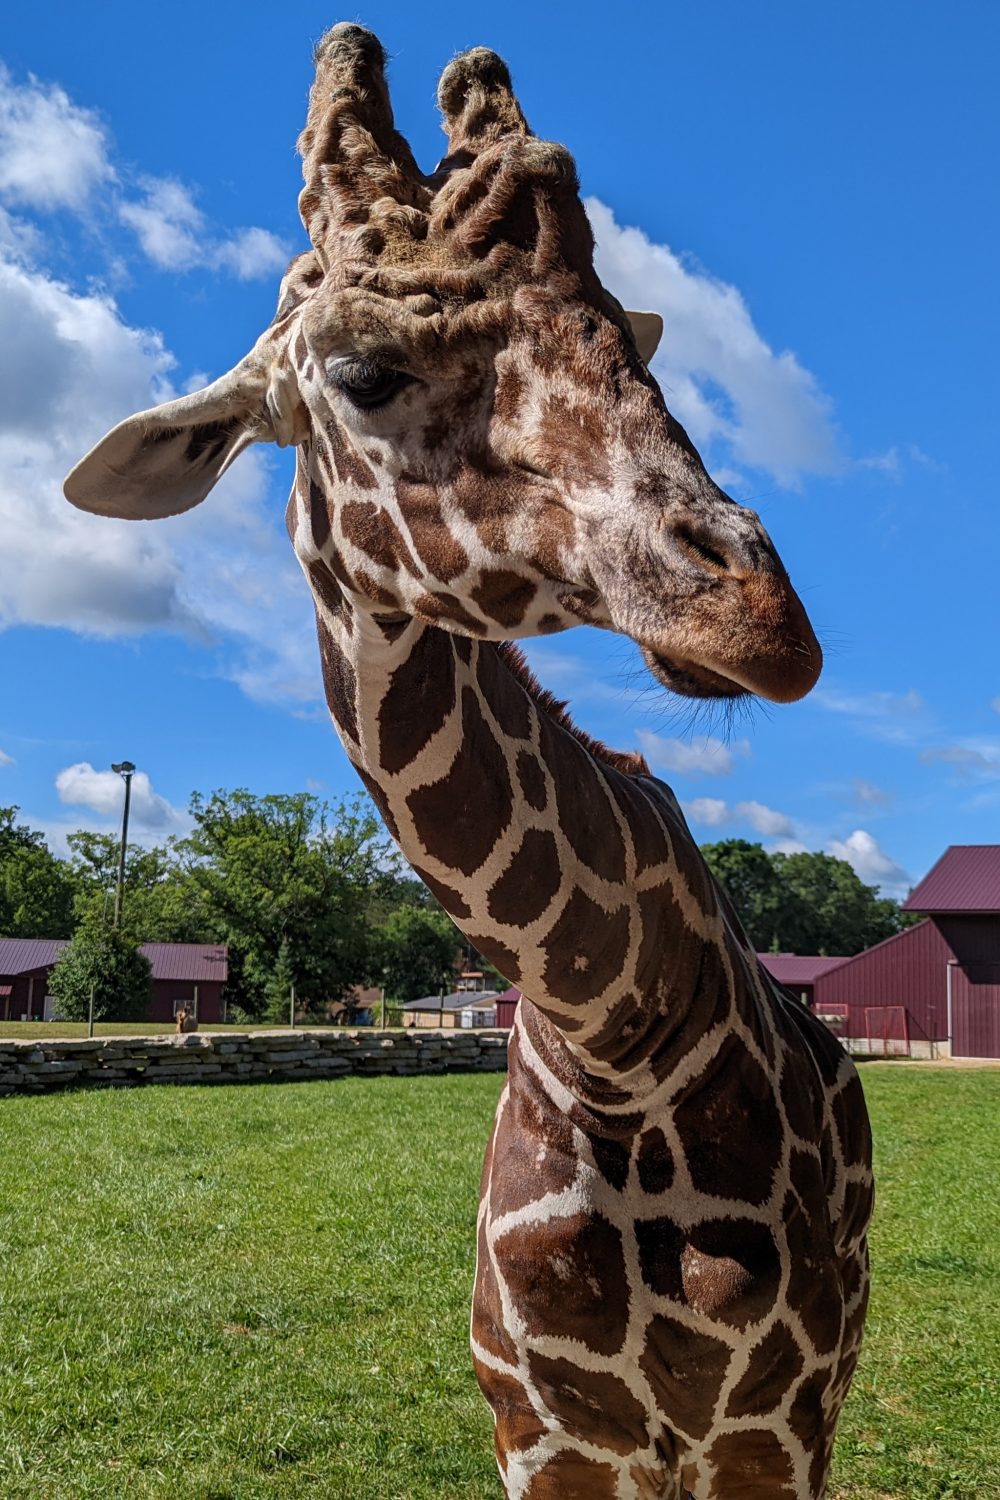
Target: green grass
column 264, row 1292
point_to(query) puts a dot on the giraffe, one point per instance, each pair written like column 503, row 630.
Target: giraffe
column 672, row 1266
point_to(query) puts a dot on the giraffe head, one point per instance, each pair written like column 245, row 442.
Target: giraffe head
column 481, row 443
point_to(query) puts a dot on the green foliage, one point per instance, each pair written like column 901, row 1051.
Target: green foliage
column 417, row 947
column 37, row 893
column 293, row 871
column 278, row 990
column 107, row 961
column 159, row 904
column 801, row 903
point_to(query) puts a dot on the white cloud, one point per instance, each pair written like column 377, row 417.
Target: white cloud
column 871, row 863
column 710, row 810
column 871, row 705
column 173, row 232
column 7, row 760
column 706, row 756
column 788, row 846
column 81, row 785
column 977, row 758
column 53, row 154
column 870, row 795
column 721, row 379
column 766, row 820
column 995, row 705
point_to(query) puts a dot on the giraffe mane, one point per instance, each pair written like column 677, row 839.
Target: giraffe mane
column 628, row 762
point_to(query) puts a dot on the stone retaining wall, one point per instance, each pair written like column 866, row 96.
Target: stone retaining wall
column 243, row 1057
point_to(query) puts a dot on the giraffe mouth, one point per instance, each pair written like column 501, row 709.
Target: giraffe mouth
column 690, row 679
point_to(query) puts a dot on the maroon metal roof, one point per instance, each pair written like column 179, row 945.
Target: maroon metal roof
column 24, row 955
column 193, row 963
column 965, row 879
column 797, row 968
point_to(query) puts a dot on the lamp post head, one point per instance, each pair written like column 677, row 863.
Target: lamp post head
column 123, row 767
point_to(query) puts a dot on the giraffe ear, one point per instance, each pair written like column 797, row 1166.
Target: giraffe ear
column 166, row 460
column 647, row 330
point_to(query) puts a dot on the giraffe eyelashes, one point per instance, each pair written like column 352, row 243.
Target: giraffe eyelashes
column 367, row 384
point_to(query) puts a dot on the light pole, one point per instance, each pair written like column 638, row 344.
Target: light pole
column 126, row 770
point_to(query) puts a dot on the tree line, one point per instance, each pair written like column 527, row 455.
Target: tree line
column 304, row 892
column 313, row 894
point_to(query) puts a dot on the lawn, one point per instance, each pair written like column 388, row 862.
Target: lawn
column 263, row 1291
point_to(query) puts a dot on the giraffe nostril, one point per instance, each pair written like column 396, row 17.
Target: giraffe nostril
column 703, row 551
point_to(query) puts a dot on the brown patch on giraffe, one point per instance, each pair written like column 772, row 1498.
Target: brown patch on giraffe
column 590, row 1405
column 859, row 1201
column 454, row 904
column 611, row 1158
column 533, row 1151
column 772, row 1367
column 374, row 591
column 441, row 606
column 500, row 956
column 570, row 1476
column 381, row 801
column 802, row 1108
column 418, row 702
column 517, row 1426
column 441, row 553
column 531, row 779
column 530, row 883
column 585, row 950
column 348, row 465
column 373, row 531
column 339, row 681
column 696, row 1001
column 567, row 1279
column 461, row 817
column 685, row 1369
column 848, row 1109
column 488, row 1328
column 330, row 594
column 573, row 437
column 730, row 1127
column 503, row 595
column 751, row 1463
column 584, row 804
column 319, row 516
column 392, row 626
column 814, row 1289
column 649, row 841
column 728, row 1270
column 655, row 1163
column 509, row 704
column 807, row 1415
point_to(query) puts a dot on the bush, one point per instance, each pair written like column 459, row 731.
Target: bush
column 105, row 960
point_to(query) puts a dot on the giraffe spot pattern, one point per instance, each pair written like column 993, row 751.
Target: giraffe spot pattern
column 464, row 814
column 725, row 1269
column 591, row 1405
column 774, row 1365
column 729, row 1126
column 530, row 882
column 531, row 780
column 585, row 949
column 750, row 1463
column 417, row 703
column 570, row 1476
column 567, row 1278
column 504, row 596
column 685, row 1369
column 655, row 1163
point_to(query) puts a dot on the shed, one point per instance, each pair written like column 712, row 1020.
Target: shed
column 798, row 972
column 934, row 986
column 460, row 1008
column 182, row 974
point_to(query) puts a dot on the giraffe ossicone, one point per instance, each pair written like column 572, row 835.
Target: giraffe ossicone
column 672, row 1263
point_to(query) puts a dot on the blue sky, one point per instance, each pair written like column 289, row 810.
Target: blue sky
column 808, row 194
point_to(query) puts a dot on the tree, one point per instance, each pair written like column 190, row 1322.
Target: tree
column 37, row 893
column 750, row 880
column 416, row 950
column 16, row 835
column 801, row 903
column 161, row 904
column 104, row 959
column 278, row 990
column 288, row 870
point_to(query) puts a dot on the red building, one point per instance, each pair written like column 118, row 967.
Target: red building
column 798, row 972
column 183, row 974
column 936, row 986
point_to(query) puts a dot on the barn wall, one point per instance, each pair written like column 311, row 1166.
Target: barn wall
column 169, row 992
column 976, row 1010
column 909, row 970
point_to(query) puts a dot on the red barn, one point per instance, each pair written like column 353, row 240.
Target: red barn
column 798, row 972
column 188, row 974
column 936, row 986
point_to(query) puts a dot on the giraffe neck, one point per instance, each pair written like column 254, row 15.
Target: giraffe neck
column 571, row 869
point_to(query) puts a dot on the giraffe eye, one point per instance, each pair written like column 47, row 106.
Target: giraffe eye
column 369, row 385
